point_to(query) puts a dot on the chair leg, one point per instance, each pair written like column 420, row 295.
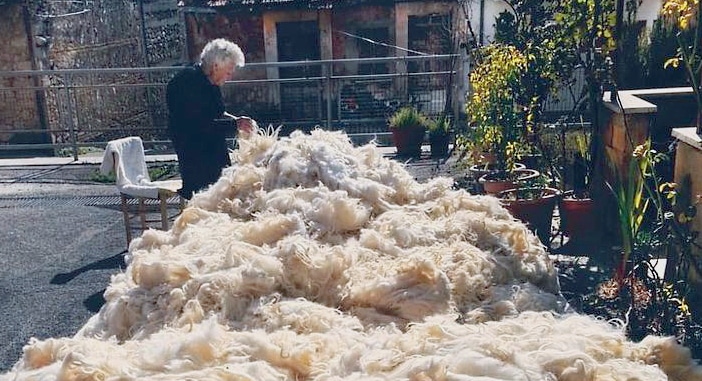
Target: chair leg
column 142, row 213
column 127, row 223
column 164, row 211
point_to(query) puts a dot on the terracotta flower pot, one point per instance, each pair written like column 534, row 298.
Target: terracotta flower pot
column 478, row 170
column 578, row 219
column 536, row 212
column 408, row 140
column 492, row 184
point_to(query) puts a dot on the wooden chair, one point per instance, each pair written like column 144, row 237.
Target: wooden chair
column 140, row 197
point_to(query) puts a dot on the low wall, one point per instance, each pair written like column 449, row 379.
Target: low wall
column 688, row 161
column 635, row 115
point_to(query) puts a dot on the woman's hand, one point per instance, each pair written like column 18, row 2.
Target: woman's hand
column 245, row 124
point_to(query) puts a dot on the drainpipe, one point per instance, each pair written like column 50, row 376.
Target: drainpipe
column 39, row 94
column 145, row 53
column 481, row 33
column 144, row 36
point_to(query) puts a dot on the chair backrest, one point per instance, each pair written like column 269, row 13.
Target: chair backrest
column 125, row 157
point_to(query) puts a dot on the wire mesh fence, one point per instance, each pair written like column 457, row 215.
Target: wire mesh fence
column 62, row 110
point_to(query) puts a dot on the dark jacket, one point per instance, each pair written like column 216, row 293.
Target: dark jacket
column 194, row 106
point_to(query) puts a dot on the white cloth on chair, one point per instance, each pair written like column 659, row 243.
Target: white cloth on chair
column 125, row 157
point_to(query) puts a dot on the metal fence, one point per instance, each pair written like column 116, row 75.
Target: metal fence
column 88, row 107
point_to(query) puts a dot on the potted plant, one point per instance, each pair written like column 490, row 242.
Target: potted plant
column 652, row 225
column 576, row 208
column 587, row 27
column 440, row 135
column 495, row 128
column 408, row 126
column 533, row 204
column 496, row 181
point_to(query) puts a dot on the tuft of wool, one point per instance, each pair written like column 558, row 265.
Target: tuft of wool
column 313, row 259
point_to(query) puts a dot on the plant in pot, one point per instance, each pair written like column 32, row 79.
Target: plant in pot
column 588, row 29
column 576, row 208
column 408, row 126
column 533, row 202
column 495, row 130
column 440, row 135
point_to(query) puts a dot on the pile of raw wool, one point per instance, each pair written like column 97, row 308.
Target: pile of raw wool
column 312, row 259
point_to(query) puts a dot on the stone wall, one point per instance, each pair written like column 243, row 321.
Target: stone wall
column 688, row 160
column 51, row 35
column 165, row 33
column 18, row 108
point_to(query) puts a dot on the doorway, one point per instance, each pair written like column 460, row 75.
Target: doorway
column 299, row 41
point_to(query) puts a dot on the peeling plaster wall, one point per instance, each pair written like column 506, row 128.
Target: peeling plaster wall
column 245, row 30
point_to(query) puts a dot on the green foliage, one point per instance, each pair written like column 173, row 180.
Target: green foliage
column 440, row 126
column 557, row 38
column 631, row 203
column 163, row 171
column 529, row 27
column 643, row 57
column 531, row 188
column 492, row 109
column 686, row 17
column 633, row 46
column 586, row 29
column 408, row 117
column 68, row 151
column 160, row 172
column 654, row 224
column 98, row 177
column 663, row 45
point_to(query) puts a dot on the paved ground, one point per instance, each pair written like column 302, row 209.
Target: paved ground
column 62, row 237
column 61, row 240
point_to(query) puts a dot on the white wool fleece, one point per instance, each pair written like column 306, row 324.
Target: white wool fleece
column 312, row 259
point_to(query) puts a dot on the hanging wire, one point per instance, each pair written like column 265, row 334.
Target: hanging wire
column 48, row 15
column 379, row 43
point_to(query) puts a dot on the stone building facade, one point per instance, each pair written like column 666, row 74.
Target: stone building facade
column 299, row 30
column 61, row 105
column 49, row 35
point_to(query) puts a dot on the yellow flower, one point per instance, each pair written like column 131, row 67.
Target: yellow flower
column 682, row 11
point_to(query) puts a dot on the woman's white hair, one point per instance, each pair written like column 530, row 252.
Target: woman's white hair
column 221, row 51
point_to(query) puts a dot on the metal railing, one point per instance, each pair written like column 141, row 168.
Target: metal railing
column 63, row 110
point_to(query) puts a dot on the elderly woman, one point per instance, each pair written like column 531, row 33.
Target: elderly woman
column 195, row 111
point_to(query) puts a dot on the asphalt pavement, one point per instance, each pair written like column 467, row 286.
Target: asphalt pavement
column 61, row 239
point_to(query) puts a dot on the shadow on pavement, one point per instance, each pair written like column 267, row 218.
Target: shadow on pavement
column 94, row 302
column 113, row 262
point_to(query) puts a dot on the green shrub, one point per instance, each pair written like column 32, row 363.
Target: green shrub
column 407, row 117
